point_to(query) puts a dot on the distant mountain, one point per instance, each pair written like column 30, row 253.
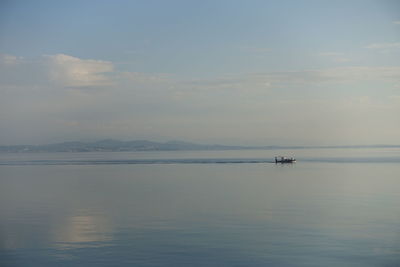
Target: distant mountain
column 145, row 145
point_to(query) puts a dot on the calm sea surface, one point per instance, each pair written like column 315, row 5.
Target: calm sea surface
column 334, row 207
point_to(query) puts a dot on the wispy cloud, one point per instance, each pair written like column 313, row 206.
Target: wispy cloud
column 329, row 54
column 396, row 22
column 68, row 71
column 335, row 56
column 264, row 82
column 334, row 75
column 383, row 46
column 231, row 83
column 141, row 77
column 255, row 85
column 146, row 104
column 256, row 49
column 6, row 59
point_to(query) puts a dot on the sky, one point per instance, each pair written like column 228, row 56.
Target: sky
column 222, row 71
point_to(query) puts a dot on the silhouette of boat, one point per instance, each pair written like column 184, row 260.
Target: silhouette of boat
column 284, row 160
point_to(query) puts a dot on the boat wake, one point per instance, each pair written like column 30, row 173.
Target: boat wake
column 135, row 161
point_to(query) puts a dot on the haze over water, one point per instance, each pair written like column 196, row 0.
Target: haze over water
column 334, row 207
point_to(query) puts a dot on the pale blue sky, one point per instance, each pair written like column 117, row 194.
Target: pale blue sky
column 250, row 72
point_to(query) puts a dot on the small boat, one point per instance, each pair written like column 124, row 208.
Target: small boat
column 284, row 160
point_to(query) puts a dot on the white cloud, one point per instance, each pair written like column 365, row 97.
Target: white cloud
column 54, row 70
column 75, row 72
column 383, row 46
column 396, row 22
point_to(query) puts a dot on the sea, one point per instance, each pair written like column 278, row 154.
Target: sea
column 333, row 207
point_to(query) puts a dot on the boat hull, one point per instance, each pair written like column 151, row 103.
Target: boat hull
column 285, row 160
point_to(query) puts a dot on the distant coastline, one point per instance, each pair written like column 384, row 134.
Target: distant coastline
column 111, row 145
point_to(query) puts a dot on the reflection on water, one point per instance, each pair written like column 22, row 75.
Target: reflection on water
column 306, row 214
column 64, row 232
column 82, row 231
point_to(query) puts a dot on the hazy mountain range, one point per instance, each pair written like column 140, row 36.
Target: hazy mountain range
column 145, row 145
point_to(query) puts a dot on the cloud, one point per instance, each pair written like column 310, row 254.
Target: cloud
column 341, row 59
column 54, row 70
column 6, row 59
column 146, row 104
column 257, row 50
column 383, row 46
column 342, row 74
column 335, row 56
column 240, row 84
column 62, row 70
column 256, row 85
column 75, row 72
column 396, row 22
column 328, row 54
column 17, row 71
column 139, row 77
